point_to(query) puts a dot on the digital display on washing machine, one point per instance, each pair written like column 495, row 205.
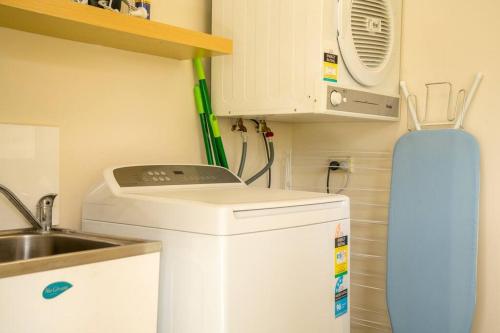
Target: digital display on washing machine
column 161, row 175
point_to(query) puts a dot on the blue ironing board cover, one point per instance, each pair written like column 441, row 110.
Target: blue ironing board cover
column 432, row 237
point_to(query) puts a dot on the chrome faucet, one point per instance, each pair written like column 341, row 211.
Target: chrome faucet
column 44, row 211
column 43, row 221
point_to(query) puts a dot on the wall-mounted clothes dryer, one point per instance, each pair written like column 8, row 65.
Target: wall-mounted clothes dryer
column 307, row 60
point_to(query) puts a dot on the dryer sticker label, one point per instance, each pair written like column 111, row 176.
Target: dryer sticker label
column 330, row 67
column 341, row 297
column 341, row 255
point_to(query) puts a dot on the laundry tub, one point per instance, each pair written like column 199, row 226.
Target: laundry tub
column 61, row 281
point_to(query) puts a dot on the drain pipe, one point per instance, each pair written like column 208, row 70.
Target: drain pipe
column 269, row 136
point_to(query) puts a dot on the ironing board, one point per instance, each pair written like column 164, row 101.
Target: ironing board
column 432, row 238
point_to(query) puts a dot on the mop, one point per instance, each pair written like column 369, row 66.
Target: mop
column 433, row 228
column 210, row 119
column 204, row 125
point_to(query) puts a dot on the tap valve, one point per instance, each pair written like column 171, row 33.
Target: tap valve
column 44, row 211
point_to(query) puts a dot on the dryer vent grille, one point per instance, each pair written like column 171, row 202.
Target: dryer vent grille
column 371, row 26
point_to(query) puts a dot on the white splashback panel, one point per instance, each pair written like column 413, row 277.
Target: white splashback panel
column 29, row 166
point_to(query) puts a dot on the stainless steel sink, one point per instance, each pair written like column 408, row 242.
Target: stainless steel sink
column 29, row 250
column 44, row 248
column 34, row 245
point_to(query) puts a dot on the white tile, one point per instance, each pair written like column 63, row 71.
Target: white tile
column 29, row 166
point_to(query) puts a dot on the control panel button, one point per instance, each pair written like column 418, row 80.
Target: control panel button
column 150, row 173
column 155, row 179
column 335, row 98
column 162, row 179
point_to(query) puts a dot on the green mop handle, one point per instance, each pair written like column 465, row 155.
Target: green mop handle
column 218, row 141
column 206, row 104
column 204, row 129
column 207, row 115
column 220, row 155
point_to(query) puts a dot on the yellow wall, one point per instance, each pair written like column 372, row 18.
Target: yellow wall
column 451, row 40
column 112, row 107
column 446, row 40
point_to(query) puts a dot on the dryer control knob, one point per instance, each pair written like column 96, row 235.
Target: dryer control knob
column 335, row 98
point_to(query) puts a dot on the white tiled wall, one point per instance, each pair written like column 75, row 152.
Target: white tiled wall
column 314, row 146
column 29, row 166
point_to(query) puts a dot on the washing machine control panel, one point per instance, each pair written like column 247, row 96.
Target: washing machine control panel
column 161, row 175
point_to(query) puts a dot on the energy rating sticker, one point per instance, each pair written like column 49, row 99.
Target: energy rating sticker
column 341, row 297
column 330, row 67
column 341, row 255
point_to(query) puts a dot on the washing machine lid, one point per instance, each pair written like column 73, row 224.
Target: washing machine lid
column 241, row 198
column 204, row 199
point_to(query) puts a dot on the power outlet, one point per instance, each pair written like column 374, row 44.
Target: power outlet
column 342, row 164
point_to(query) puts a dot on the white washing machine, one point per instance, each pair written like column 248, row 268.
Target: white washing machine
column 236, row 259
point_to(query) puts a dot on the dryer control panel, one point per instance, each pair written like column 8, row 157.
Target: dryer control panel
column 354, row 101
column 161, row 175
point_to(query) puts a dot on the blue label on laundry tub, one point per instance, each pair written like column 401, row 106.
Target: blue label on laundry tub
column 55, row 289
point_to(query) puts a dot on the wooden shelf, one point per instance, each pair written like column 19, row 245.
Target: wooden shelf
column 68, row 20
